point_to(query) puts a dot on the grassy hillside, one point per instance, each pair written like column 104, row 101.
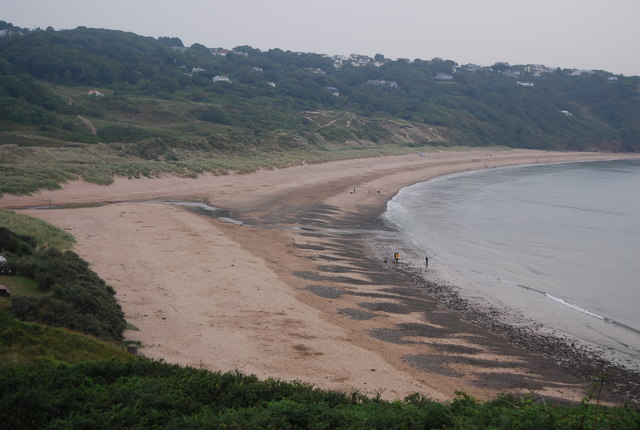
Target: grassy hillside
column 41, row 232
column 89, row 103
column 24, row 343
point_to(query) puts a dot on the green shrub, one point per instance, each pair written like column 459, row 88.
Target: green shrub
column 150, row 394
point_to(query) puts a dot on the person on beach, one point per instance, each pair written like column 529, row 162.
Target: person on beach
column 396, row 256
column 426, row 262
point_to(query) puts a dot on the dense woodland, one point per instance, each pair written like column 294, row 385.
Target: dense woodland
column 516, row 106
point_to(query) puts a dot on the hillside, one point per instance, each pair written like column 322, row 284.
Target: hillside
column 132, row 105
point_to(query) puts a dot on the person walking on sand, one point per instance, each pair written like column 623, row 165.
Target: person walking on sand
column 426, row 262
column 396, row 256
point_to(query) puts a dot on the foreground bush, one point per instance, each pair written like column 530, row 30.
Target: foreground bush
column 77, row 298
column 148, row 394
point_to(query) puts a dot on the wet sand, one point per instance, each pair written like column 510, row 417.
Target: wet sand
column 293, row 293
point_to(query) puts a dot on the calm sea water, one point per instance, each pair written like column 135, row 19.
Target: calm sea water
column 557, row 243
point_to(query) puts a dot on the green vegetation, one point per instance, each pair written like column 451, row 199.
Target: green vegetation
column 158, row 111
column 69, row 295
column 147, row 394
column 40, row 231
column 94, row 104
column 24, row 343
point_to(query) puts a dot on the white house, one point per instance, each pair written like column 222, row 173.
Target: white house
column 381, row 83
column 221, row 78
column 334, row 91
column 444, row 77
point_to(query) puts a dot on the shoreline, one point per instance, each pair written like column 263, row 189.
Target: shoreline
column 292, row 295
column 580, row 358
column 444, row 275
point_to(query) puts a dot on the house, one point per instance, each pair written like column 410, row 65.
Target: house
column 219, row 51
column 566, row 113
column 271, row 84
column 381, row 83
column 334, row 91
column 315, row 71
column 95, row 93
column 582, row 72
column 444, row 77
column 4, row 291
column 221, row 78
column 257, row 69
column 511, row 73
column 526, row 84
column 359, row 60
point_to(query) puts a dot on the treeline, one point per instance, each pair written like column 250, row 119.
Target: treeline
column 74, row 296
column 147, row 394
column 268, row 89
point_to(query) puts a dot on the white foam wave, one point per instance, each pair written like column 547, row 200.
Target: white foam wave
column 574, row 307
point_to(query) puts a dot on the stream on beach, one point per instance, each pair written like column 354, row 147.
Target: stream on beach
column 558, row 244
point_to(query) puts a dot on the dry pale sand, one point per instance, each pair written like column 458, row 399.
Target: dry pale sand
column 276, row 301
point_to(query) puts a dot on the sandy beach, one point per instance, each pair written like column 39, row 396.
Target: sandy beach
column 292, row 294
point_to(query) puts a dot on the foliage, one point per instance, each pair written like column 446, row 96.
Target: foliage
column 480, row 105
column 14, row 243
column 15, row 226
column 76, row 297
column 28, row 343
column 160, row 111
column 148, row 394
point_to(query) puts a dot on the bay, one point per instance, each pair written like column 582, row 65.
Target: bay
column 558, row 244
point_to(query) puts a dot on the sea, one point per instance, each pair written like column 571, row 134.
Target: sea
column 552, row 245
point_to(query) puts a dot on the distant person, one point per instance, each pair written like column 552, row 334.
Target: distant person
column 426, row 261
column 396, row 256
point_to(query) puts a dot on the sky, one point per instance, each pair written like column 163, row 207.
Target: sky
column 572, row 34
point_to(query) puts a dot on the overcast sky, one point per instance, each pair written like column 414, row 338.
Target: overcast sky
column 582, row 34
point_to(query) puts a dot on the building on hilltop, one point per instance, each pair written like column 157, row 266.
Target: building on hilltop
column 219, row 51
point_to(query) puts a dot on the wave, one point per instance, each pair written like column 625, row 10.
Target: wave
column 575, row 307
